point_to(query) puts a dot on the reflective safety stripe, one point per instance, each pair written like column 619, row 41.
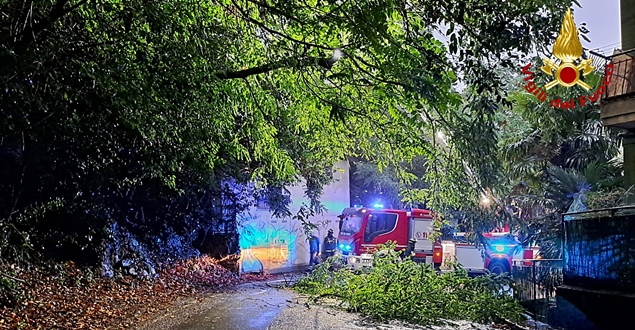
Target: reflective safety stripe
column 371, row 245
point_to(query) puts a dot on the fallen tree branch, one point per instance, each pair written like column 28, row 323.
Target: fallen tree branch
column 266, row 302
column 12, row 278
column 326, row 295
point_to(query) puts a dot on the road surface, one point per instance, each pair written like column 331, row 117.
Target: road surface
column 250, row 306
column 270, row 306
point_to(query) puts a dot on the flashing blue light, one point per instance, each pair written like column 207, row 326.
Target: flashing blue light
column 499, row 248
column 358, row 206
column 345, row 247
column 378, row 205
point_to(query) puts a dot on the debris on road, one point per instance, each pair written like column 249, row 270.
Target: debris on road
column 66, row 296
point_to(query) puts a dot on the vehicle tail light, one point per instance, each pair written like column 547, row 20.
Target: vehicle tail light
column 437, row 256
column 528, row 254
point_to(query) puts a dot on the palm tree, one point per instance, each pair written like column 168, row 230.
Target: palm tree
column 553, row 160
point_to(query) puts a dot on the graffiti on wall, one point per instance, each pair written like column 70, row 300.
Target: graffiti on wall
column 268, row 243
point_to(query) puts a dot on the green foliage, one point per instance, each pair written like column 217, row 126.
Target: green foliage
column 534, row 134
column 412, row 292
column 392, row 184
column 551, row 156
column 11, row 290
column 303, row 215
column 603, row 199
column 140, row 112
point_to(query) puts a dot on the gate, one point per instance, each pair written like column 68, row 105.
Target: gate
column 535, row 285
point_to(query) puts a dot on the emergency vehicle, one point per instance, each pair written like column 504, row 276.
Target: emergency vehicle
column 363, row 229
column 494, row 255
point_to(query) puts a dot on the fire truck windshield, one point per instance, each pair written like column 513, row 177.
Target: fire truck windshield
column 506, row 239
column 352, row 224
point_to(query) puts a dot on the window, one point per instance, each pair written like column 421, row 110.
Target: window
column 379, row 224
column 351, row 224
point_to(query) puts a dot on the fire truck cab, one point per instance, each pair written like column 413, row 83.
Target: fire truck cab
column 363, row 229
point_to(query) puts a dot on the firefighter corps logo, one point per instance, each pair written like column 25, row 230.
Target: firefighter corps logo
column 568, row 69
column 568, row 50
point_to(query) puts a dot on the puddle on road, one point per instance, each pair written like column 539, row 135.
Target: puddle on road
column 250, row 307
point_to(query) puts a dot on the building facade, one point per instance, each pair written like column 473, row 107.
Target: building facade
column 276, row 245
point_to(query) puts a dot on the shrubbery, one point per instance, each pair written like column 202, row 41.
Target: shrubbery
column 415, row 293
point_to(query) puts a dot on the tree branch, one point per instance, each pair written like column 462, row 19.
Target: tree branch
column 272, row 31
column 461, row 20
column 253, row 96
column 326, row 63
column 12, row 278
column 385, row 81
column 277, row 11
column 29, row 34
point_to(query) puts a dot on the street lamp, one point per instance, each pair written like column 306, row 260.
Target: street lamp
column 485, row 200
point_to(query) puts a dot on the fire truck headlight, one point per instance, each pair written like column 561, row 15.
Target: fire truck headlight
column 352, row 260
column 345, row 247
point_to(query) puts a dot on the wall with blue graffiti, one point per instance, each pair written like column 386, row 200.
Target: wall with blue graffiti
column 278, row 244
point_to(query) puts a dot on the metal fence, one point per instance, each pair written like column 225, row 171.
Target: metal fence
column 623, row 77
column 599, row 249
column 535, row 284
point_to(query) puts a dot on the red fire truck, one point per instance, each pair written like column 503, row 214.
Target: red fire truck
column 499, row 251
column 363, row 229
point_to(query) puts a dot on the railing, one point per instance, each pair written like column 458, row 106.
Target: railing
column 535, row 284
column 599, row 249
column 623, row 78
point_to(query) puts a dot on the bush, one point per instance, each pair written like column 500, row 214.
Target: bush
column 607, row 198
column 415, row 293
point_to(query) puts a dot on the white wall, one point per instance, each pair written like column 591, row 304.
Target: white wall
column 277, row 245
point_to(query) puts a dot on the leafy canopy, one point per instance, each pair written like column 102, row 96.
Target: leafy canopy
column 137, row 111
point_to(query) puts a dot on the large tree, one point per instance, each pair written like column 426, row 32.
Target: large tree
column 137, row 111
column 391, row 187
column 552, row 159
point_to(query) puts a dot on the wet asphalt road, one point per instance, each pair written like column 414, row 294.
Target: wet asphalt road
column 251, row 306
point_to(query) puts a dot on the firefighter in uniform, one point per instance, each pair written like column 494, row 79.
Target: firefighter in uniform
column 329, row 246
column 314, row 244
column 409, row 249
